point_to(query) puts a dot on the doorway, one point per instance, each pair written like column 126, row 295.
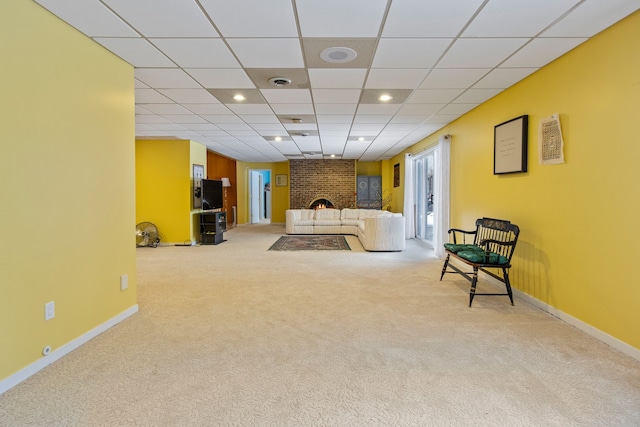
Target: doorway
column 425, row 197
column 260, row 196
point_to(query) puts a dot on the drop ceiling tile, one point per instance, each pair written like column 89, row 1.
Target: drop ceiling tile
column 241, row 109
column 294, row 109
column 90, row 17
column 167, row 109
column 477, row 96
column 169, row 127
column 169, row 78
column 189, row 96
column 201, row 127
column 224, row 78
column 364, row 48
column 456, row 78
column 300, row 126
column 434, row 96
column 139, row 85
column 336, row 108
column 141, row 110
column 434, row 18
column 334, row 118
column 334, row 78
column 151, row 119
column 336, row 96
column 167, row 18
column 269, row 129
column 372, row 96
column 151, row 96
column 524, row 18
column 291, row 96
column 591, row 17
column 260, row 118
column 234, row 127
column 395, row 78
column 409, row 53
column 184, row 118
column 368, row 129
column 221, row 118
column 504, row 77
column 441, row 119
column 228, row 96
column 212, row 109
column 420, row 109
column 268, row 53
column 248, row 18
column 400, row 127
column 188, row 53
column 409, row 118
column 480, row 53
column 343, row 128
column 383, row 109
column 339, row 18
column 143, row 128
column 213, row 133
column 261, row 77
column 372, row 118
column 541, row 51
column 136, row 51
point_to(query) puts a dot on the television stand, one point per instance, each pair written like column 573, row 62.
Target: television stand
column 212, row 227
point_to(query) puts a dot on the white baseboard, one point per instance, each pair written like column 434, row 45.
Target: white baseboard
column 67, row 348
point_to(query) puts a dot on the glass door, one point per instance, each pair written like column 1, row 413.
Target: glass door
column 424, row 167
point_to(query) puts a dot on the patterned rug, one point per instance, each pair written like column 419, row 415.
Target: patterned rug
column 311, row 243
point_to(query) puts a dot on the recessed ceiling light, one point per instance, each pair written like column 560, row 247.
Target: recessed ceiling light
column 277, row 138
column 333, row 155
column 385, row 98
column 361, row 139
column 338, row 55
column 239, row 97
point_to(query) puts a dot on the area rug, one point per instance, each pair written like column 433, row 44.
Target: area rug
column 311, row 243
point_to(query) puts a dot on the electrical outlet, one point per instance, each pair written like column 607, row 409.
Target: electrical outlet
column 124, row 282
column 49, row 310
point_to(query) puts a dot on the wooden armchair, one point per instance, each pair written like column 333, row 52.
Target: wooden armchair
column 493, row 244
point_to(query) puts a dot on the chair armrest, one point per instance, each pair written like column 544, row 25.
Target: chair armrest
column 454, row 231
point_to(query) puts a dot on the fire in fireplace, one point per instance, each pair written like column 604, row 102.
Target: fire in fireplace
column 321, row 203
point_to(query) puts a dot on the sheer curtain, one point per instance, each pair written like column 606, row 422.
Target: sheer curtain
column 442, row 194
column 408, row 209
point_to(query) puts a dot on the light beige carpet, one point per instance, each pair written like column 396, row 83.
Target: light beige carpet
column 236, row 335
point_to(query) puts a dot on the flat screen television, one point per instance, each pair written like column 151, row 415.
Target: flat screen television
column 212, row 196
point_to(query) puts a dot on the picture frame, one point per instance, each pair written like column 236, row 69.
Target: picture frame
column 281, row 180
column 198, row 176
column 510, row 144
column 396, row 175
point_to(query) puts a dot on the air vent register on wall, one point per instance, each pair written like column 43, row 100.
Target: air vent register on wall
column 212, row 194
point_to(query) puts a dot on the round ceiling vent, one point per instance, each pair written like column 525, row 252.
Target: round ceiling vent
column 338, row 55
column 280, row 81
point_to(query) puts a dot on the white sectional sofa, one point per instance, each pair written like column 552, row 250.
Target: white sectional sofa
column 377, row 230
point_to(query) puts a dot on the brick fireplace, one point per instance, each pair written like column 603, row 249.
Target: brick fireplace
column 333, row 180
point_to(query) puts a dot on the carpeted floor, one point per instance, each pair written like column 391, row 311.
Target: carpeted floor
column 236, row 335
column 311, row 243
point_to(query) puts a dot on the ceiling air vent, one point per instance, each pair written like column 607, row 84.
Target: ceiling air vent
column 280, row 81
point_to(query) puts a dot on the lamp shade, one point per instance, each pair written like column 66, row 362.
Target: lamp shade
column 226, row 182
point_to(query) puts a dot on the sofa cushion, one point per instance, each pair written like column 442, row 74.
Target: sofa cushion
column 304, row 222
column 368, row 213
column 333, row 214
column 349, row 214
column 307, row 213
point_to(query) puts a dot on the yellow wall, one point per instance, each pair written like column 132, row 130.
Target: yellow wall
column 368, row 168
column 279, row 195
column 164, row 179
column 67, row 196
column 577, row 247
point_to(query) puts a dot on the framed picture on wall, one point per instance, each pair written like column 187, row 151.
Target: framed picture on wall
column 396, row 175
column 198, row 176
column 281, row 180
column 510, row 146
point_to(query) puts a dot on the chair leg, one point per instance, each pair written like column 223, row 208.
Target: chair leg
column 472, row 293
column 505, row 274
column 444, row 268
